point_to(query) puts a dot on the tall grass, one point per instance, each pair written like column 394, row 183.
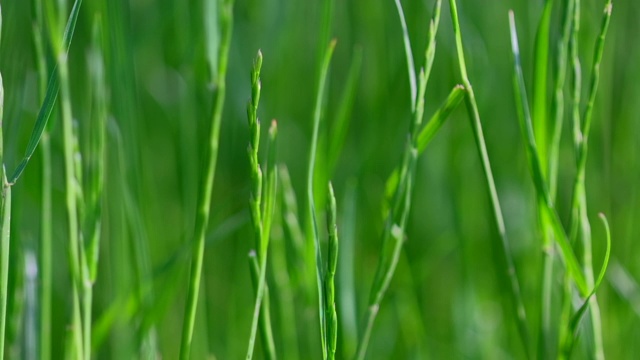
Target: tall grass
column 208, row 176
column 143, row 182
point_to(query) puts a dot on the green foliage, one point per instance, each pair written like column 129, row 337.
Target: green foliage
column 129, row 177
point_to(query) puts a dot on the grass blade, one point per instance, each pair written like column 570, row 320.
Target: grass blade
column 474, row 117
column 409, row 56
column 539, row 111
column 579, row 315
column 206, row 183
column 50, row 97
column 394, row 232
column 311, row 212
column 428, row 132
column 536, row 170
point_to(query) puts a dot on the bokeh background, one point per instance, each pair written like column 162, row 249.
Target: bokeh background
column 446, row 300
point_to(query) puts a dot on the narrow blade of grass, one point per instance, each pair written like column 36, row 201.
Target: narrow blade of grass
column 540, row 77
column 394, row 232
column 206, row 183
column 428, row 132
column 311, row 212
column 474, row 117
column 50, row 97
column 409, row 56
column 577, row 317
column 536, row 170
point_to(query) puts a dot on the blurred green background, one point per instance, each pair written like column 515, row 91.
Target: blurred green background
column 446, row 300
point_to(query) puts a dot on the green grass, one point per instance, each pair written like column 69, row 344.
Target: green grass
column 389, row 223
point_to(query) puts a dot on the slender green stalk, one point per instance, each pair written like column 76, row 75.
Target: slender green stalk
column 5, row 216
column 558, row 103
column 394, row 231
column 526, row 126
column 72, row 190
column 5, row 223
column 93, row 209
column 329, row 281
column 45, row 257
column 541, row 125
column 311, row 212
column 582, row 127
column 474, row 117
column 262, row 203
column 206, row 182
column 266, row 334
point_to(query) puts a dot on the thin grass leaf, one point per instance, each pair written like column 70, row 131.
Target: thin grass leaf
column 603, row 270
column 394, row 231
column 50, row 97
column 428, row 132
column 409, row 56
column 206, row 182
column 582, row 127
column 535, row 167
column 332, row 264
column 476, row 124
column 311, row 212
column 557, row 105
column 540, row 77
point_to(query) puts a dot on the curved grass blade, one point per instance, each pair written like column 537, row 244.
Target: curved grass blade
column 50, row 97
column 579, row 315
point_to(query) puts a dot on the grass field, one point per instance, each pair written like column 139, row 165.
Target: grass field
column 393, row 179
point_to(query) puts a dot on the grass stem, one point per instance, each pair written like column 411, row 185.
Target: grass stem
column 206, row 182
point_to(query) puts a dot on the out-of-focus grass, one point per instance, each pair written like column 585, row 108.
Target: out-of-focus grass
column 447, row 298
